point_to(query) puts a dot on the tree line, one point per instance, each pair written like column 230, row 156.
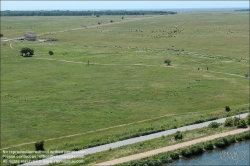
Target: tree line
column 82, row 13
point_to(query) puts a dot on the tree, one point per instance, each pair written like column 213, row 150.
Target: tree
column 51, row 53
column 168, row 62
column 97, row 15
column 26, row 52
column 111, row 21
column 1, row 35
column 99, row 23
column 122, row 17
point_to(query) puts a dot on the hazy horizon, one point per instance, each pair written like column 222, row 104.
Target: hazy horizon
column 121, row 5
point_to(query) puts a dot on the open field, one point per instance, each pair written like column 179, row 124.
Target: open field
column 126, row 82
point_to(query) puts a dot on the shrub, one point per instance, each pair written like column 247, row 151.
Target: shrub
column 39, row 146
column 228, row 122
column 221, row 143
column 246, row 136
column 208, row 146
column 186, row 152
column 166, row 159
column 174, row 155
column 178, row 135
column 213, row 125
column 51, row 53
column 248, row 119
column 227, row 108
column 242, row 124
column 196, row 149
column 168, row 61
column 238, row 138
column 236, row 121
column 231, row 139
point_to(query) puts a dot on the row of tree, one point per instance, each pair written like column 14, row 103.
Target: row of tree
column 82, row 13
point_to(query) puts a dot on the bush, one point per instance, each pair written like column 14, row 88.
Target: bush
column 228, row 122
column 168, row 62
column 178, row 135
column 186, row 152
column 196, row 149
column 242, row 124
column 51, row 53
column 236, row 121
column 238, row 138
column 221, row 143
column 231, row 139
column 208, row 146
column 39, row 146
column 174, row 155
column 213, row 125
column 166, row 159
column 227, row 108
column 246, row 136
column 248, row 119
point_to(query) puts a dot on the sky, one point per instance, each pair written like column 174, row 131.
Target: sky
column 111, row 5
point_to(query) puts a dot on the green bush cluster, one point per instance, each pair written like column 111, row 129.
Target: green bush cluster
column 221, row 142
column 168, row 157
column 248, row 119
column 193, row 150
column 238, row 122
column 213, row 125
column 178, row 135
column 208, row 146
column 26, row 52
column 157, row 160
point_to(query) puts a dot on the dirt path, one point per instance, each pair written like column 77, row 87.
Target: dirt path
column 50, row 59
column 12, row 47
column 169, row 148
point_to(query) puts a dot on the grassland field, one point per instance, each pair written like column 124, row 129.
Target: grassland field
column 50, row 96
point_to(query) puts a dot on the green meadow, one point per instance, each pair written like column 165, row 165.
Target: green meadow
column 126, row 86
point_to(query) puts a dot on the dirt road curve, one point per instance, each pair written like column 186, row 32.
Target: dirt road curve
column 169, row 148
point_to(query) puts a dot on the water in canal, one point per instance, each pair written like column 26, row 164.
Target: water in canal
column 234, row 155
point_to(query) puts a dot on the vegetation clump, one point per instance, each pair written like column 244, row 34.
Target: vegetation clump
column 168, row 62
column 39, row 146
column 178, row 135
column 228, row 122
column 227, row 108
column 221, row 143
column 26, row 52
column 213, row 125
column 51, row 53
column 208, row 146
